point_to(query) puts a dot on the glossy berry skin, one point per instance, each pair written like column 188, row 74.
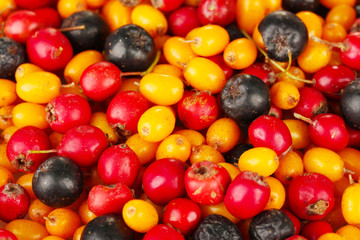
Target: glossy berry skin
column 271, row 132
column 352, row 46
column 197, row 110
column 28, row 4
column 21, row 24
column 332, row 79
column 49, row 16
column 51, row 182
column 314, row 229
column 131, row 48
column 247, row 195
column 329, row 131
column 100, row 81
column 237, row 98
column 5, row 234
column 312, row 102
column 159, row 231
column 49, row 49
column 182, row 20
column 276, row 112
column 220, row 12
column 66, row 111
column 163, row 180
column 311, row 196
column 167, row 5
column 182, row 214
column 283, row 31
column 23, row 140
column 14, row 202
column 295, row 220
column 349, row 106
column 10, row 60
column 118, row 163
column 206, row 182
column 281, row 226
column 262, row 71
column 296, row 237
column 108, row 226
column 84, row 144
column 105, row 199
column 92, row 36
column 124, row 111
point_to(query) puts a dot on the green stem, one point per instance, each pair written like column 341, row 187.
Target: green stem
column 156, row 60
column 41, row 151
column 153, row 64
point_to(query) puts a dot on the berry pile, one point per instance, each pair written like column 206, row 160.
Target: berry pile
column 179, row 119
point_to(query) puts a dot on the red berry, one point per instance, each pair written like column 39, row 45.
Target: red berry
column 311, row 196
column 14, row 202
column 182, row 214
column 24, row 140
column 275, row 112
column 124, row 111
column 295, row 220
column 271, row 132
column 220, row 12
column 262, row 71
column 312, row 102
column 67, row 111
column 183, row 20
column 49, row 49
column 49, row 16
column 331, row 79
column 109, row 199
column 206, row 182
column 84, row 144
column 21, row 24
column 31, row 4
column 163, row 180
column 314, row 229
column 167, row 5
column 354, row 137
column 197, row 110
column 118, row 163
column 247, row 195
column 7, row 235
column 159, row 231
column 100, row 81
column 296, row 237
column 329, row 131
column 349, row 54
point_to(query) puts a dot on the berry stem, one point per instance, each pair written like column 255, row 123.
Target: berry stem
column 301, row 117
column 275, row 63
column 41, row 151
column 342, row 46
column 153, row 64
column 156, row 60
column 68, row 85
column 66, row 29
